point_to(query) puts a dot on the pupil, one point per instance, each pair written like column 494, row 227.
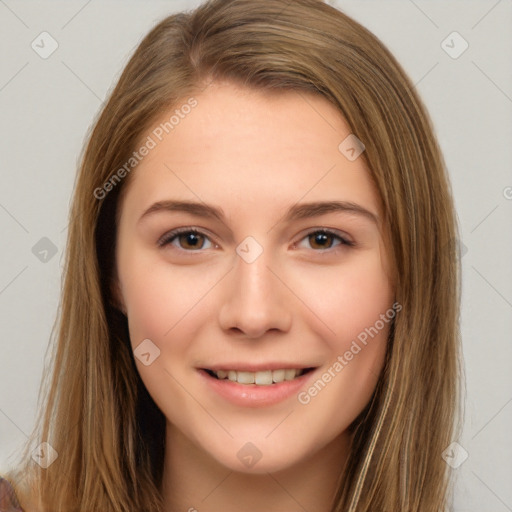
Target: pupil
column 321, row 238
column 191, row 239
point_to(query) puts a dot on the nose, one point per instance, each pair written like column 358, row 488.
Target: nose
column 255, row 300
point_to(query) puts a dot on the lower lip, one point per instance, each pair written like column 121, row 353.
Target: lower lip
column 253, row 395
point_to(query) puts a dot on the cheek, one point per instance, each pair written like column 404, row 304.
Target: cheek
column 147, row 306
column 349, row 301
column 158, row 303
column 349, row 298
column 155, row 295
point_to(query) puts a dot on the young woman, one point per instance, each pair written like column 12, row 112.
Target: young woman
column 261, row 297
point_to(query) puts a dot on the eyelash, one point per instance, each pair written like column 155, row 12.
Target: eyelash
column 172, row 235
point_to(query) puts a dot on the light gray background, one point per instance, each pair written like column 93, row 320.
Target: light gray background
column 47, row 106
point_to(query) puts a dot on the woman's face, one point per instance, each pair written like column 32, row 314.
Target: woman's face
column 260, row 289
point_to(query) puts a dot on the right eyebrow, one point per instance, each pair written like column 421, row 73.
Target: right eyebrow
column 198, row 209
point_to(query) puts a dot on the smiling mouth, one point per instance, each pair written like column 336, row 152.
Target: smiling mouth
column 261, row 378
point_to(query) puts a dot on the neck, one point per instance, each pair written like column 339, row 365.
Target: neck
column 195, row 482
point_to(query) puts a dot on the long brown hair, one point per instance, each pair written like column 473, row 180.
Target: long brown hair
column 96, row 412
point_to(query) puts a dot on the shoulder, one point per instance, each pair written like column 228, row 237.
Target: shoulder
column 8, row 500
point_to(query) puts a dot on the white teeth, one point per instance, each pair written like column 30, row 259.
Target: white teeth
column 245, row 377
column 278, row 375
column 289, row 374
column 262, row 378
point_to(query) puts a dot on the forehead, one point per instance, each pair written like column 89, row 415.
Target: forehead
column 240, row 146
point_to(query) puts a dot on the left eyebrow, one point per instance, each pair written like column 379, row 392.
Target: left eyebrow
column 307, row 210
column 296, row 212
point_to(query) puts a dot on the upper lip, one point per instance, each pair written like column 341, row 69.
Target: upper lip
column 252, row 367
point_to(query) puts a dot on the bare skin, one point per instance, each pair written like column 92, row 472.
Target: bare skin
column 302, row 301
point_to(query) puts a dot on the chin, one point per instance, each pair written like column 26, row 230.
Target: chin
column 257, row 456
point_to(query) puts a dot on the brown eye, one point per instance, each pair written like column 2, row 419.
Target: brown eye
column 191, row 240
column 325, row 239
column 320, row 240
column 188, row 239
